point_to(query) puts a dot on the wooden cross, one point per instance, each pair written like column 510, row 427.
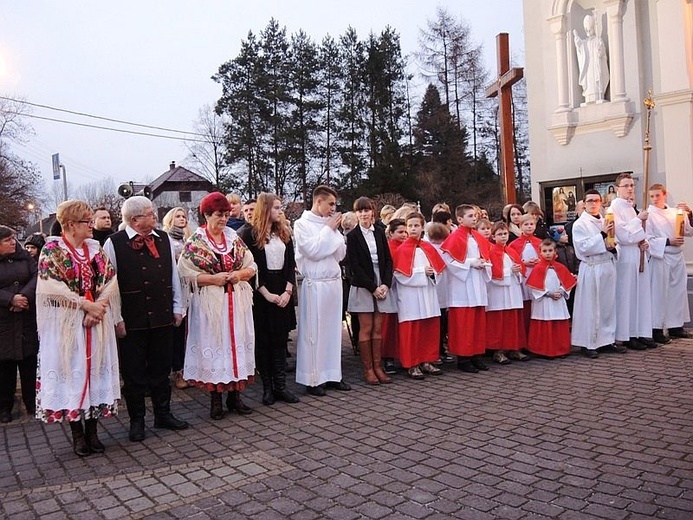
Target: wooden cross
column 502, row 88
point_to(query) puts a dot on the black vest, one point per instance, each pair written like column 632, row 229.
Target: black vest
column 145, row 282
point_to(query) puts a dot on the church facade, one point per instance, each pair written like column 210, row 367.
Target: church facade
column 589, row 66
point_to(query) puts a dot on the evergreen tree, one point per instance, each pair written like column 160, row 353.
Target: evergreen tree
column 330, row 89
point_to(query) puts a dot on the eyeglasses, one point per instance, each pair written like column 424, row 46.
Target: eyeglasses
column 87, row 222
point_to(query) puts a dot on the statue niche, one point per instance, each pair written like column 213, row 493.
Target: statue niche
column 592, row 62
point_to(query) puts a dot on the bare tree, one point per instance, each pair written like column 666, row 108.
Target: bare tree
column 207, row 153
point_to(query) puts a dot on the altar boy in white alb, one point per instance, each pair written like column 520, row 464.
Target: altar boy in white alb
column 666, row 228
column 633, row 305
column 319, row 249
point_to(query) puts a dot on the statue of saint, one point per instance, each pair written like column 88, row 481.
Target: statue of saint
column 594, row 70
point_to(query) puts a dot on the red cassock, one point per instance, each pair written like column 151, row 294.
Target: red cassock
column 505, row 329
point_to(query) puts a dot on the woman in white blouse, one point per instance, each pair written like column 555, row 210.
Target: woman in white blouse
column 269, row 239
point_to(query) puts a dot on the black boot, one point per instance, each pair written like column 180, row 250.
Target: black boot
column 279, row 382
column 659, row 337
column 163, row 418
column 234, row 403
column 136, row 411
column 79, row 441
column 90, row 427
column 267, row 387
column 6, row 410
column 216, row 411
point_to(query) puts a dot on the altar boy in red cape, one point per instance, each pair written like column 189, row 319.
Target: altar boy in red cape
column 416, row 264
column 505, row 326
column 527, row 246
column 550, row 283
column 466, row 254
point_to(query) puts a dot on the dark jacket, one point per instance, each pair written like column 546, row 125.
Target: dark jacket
column 360, row 264
column 18, row 338
column 289, row 269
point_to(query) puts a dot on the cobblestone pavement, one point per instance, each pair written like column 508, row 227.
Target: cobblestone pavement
column 573, row 438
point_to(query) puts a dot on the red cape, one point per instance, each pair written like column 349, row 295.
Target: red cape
column 456, row 244
column 393, row 245
column 403, row 256
column 537, row 280
column 519, row 244
column 497, row 257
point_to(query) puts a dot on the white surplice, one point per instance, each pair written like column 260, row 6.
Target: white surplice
column 319, row 249
column 594, row 311
column 633, row 305
column 544, row 307
column 505, row 293
column 417, row 297
column 528, row 253
column 668, row 270
column 466, row 284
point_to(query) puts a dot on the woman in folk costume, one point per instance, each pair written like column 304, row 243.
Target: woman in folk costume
column 505, row 326
column 527, row 246
column 416, row 264
column 550, row 283
column 466, row 254
column 370, row 264
column 78, row 304
column 215, row 267
column 269, row 238
column 397, row 231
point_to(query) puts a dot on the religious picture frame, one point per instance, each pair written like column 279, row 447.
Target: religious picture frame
column 608, row 192
column 563, row 203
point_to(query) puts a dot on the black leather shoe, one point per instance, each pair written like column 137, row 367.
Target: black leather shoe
column 649, row 343
column 5, row 416
column 169, row 422
column 317, row 391
column 679, row 332
column 268, row 396
column 479, row 364
column 338, row 385
column 286, row 396
column 136, row 430
column 590, row 353
column 467, row 366
column 235, row 404
column 659, row 337
column 634, row 344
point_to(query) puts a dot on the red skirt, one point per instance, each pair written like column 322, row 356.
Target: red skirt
column 418, row 341
column 390, row 332
column 467, row 331
column 549, row 338
column 505, row 330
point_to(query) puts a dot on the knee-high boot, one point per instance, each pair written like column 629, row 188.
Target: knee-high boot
column 279, row 379
column 216, row 411
column 366, row 352
column 79, row 441
column 163, row 418
column 136, row 411
column 90, row 427
column 377, row 367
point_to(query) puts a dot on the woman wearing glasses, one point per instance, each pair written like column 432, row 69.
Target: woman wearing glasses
column 215, row 267
column 77, row 303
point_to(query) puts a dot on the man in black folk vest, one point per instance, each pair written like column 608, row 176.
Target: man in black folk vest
column 151, row 306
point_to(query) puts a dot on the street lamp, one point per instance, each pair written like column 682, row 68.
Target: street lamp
column 37, row 214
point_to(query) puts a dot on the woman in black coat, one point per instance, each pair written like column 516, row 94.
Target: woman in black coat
column 370, row 268
column 19, row 344
column 269, row 239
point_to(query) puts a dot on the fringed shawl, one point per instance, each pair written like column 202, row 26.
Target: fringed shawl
column 58, row 299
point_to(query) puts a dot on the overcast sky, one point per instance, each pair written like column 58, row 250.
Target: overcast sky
column 150, row 62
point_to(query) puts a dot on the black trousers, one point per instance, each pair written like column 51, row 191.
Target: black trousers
column 8, row 382
column 179, row 334
column 145, row 362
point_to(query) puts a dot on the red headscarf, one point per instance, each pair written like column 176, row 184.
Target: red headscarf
column 403, row 257
column 215, row 201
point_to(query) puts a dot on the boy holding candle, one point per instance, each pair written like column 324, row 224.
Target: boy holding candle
column 666, row 228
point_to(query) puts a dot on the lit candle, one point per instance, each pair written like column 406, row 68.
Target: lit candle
column 611, row 234
column 680, row 223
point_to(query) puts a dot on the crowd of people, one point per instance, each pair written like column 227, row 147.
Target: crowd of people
column 88, row 308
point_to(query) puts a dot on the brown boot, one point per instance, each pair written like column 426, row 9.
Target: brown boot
column 367, row 359
column 377, row 367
